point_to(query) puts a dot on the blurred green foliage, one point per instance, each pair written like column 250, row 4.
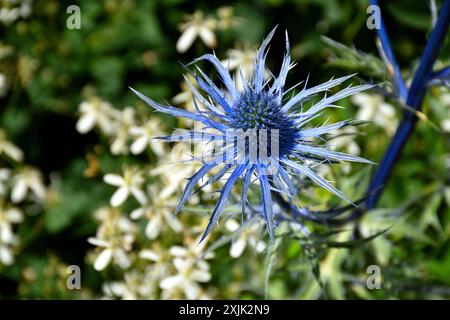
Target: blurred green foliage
column 52, row 69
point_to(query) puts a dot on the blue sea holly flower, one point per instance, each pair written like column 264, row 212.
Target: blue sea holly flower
column 263, row 133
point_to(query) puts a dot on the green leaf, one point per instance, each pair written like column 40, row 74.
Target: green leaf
column 354, row 243
column 430, row 214
column 109, row 73
column 352, row 59
column 402, row 13
column 272, row 250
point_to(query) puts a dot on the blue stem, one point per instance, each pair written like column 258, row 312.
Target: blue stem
column 414, row 100
column 444, row 73
column 386, row 47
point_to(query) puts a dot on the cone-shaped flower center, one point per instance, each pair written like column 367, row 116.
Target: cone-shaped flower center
column 260, row 113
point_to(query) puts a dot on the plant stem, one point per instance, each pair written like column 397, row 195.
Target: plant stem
column 389, row 53
column 415, row 96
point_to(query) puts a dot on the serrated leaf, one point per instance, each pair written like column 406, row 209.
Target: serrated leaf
column 354, row 243
column 430, row 216
column 354, row 60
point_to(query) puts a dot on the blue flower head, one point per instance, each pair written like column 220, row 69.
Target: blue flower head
column 263, row 132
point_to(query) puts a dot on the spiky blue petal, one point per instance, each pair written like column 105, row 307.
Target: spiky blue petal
column 266, row 198
column 224, row 196
column 246, row 185
column 223, row 73
column 305, row 170
column 314, row 90
column 264, row 112
column 192, row 181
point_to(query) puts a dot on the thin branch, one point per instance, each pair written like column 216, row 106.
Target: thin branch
column 387, row 53
column 414, row 100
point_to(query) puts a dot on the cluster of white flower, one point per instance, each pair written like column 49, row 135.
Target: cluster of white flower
column 372, row 107
column 135, row 285
column 18, row 184
column 191, row 269
column 120, row 126
column 116, row 232
column 114, row 238
column 176, row 273
column 248, row 234
column 162, row 268
column 12, row 10
column 242, row 61
column 196, row 25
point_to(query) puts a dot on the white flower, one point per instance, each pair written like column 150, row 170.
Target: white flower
column 129, row 289
column 187, row 279
column 14, row 9
column 125, row 122
column 112, row 251
column 372, row 107
column 148, row 254
column 445, row 124
column 242, row 61
column 115, row 237
column 174, row 170
column 6, row 254
column 8, row 217
column 160, row 261
column 197, row 26
column 184, row 99
column 9, row 149
column 112, row 223
column 96, row 111
column 28, row 179
column 144, row 136
column 130, row 183
column 344, row 141
column 191, row 268
column 117, row 289
column 227, row 20
column 250, row 234
column 135, row 285
column 8, row 16
column 194, row 253
column 3, row 84
column 8, row 240
column 159, row 213
column 25, row 8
